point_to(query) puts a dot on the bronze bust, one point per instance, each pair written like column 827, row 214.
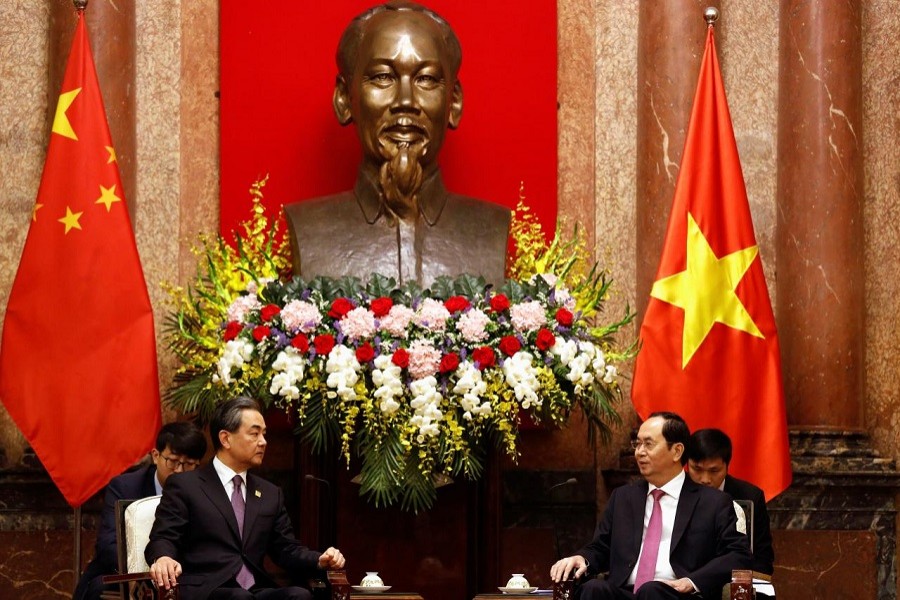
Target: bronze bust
column 397, row 80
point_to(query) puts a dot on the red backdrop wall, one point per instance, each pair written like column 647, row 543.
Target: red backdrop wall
column 277, row 78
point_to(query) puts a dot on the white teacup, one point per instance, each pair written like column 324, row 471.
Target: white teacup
column 372, row 580
column 517, row 581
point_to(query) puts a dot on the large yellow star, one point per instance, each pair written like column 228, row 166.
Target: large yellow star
column 61, row 123
column 71, row 220
column 705, row 290
column 107, row 197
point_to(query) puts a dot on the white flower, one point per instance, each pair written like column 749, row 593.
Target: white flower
column 289, row 372
column 387, row 378
column 470, row 386
column 611, row 374
column 425, row 402
column 565, row 350
column 521, row 376
column 342, row 368
column 234, row 355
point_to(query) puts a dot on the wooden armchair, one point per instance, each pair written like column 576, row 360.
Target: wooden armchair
column 134, row 519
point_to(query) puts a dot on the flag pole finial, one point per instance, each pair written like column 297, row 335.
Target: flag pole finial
column 711, row 15
column 80, row 5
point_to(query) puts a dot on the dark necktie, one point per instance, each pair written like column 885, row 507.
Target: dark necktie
column 647, row 566
column 244, row 576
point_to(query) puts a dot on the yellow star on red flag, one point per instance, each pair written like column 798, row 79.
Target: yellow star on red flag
column 61, row 123
column 108, row 197
column 71, row 220
column 705, row 290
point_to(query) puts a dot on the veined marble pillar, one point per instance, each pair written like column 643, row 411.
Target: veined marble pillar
column 111, row 30
column 819, row 235
column 671, row 35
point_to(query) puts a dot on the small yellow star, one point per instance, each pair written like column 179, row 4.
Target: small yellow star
column 112, row 154
column 108, row 197
column 705, row 290
column 61, row 123
column 34, row 210
column 71, row 220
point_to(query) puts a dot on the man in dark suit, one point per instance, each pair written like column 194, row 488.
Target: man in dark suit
column 397, row 82
column 179, row 447
column 709, row 454
column 215, row 525
column 665, row 536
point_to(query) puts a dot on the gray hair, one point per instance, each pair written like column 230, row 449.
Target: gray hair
column 227, row 417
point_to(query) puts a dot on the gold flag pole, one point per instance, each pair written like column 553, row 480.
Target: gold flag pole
column 710, row 15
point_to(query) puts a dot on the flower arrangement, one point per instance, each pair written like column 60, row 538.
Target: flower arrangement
column 414, row 382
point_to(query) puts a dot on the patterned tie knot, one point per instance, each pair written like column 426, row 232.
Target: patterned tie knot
column 238, row 481
column 657, row 494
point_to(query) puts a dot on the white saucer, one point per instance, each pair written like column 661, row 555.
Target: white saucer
column 371, row 589
column 509, row 590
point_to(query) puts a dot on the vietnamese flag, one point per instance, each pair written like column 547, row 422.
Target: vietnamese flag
column 709, row 346
column 78, row 368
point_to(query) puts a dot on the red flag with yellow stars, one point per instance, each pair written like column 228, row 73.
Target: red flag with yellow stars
column 709, row 346
column 78, row 369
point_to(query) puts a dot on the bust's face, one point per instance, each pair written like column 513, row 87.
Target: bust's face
column 402, row 93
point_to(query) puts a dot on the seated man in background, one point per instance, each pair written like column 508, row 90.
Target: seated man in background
column 709, row 453
column 663, row 536
column 214, row 526
column 179, row 447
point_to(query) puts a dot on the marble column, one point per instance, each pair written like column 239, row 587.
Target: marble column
column 819, row 235
column 670, row 45
column 111, row 30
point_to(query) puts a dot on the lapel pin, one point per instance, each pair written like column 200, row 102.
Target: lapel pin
column 258, row 494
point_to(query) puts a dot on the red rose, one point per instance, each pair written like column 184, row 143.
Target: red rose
column 484, row 357
column 365, row 353
column 339, row 308
column 261, row 332
column 400, row 358
column 456, row 304
column 499, row 303
column 381, row 306
column 323, row 344
column 268, row 311
column 232, row 330
column 544, row 339
column 449, row 362
column 564, row 317
column 509, row 345
column 301, row 342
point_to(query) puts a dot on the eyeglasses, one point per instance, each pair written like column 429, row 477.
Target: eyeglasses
column 186, row 465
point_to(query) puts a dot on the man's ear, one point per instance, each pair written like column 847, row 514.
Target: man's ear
column 679, row 450
column 224, row 441
column 456, row 105
column 341, row 101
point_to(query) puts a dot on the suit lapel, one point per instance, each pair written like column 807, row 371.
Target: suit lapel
column 687, row 502
column 638, row 506
column 215, row 491
column 254, row 501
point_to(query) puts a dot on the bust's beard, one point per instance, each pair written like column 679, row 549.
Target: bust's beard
column 400, row 178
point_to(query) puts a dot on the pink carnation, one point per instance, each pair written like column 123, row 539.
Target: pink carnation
column 358, row 324
column 472, row 325
column 424, row 359
column 298, row 315
column 397, row 320
column 241, row 306
column 527, row 316
column 432, row 315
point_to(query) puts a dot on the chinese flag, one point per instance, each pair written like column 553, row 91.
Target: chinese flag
column 710, row 349
column 78, row 360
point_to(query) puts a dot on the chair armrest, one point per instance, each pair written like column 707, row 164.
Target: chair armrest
column 340, row 587
column 145, row 588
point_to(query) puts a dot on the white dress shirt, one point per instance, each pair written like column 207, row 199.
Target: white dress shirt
column 226, row 475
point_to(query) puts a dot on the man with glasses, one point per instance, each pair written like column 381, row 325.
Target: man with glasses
column 663, row 536
column 179, row 447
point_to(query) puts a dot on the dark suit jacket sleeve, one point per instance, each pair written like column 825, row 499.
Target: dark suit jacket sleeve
column 170, row 524
column 286, row 550
column 597, row 552
column 763, row 553
column 732, row 548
